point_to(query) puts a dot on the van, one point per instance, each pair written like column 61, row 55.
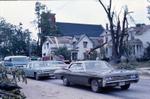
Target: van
column 16, row 61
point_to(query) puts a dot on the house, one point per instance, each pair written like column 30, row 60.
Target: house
column 79, row 46
column 140, row 34
column 78, row 38
column 136, row 42
column 52, row 43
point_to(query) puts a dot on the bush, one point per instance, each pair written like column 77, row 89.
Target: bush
column 8, row 84
column 128, row 66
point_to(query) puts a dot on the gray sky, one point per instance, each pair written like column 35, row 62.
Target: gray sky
column 79, row 11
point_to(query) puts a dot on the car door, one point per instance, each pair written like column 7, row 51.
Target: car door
column 29, row 71
column 76, row 73
column 26, row 70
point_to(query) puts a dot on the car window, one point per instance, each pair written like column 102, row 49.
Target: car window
column 97, row 66
column 76, row 67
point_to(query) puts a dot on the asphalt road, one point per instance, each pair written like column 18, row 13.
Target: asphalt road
column 140, row 90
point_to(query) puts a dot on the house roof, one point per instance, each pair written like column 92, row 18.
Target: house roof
column 139, row 30
column 95, row 40
column 60, row 40
column 71, row 29
column 135, row 41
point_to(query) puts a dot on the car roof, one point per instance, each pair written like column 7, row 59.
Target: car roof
column 88, row 61
column 35, row 61
column 43, row 61
column 8, row 57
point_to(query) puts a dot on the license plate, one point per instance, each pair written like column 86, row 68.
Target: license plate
column 121, row 83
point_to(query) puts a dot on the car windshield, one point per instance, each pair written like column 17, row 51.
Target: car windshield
column 20, row 59
column 38, row 64
column 97, row 66
column 58, row 62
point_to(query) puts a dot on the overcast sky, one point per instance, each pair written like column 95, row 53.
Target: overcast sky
column 76, row 11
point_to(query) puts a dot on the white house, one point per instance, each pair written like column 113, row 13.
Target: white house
column 79, row 45
column 52, row 43
column 141, row 34
column 137, row 41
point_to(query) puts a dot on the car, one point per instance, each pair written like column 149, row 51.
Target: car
column 97, row 75
column 15, row 61
column 57, row 64
column 38, row 69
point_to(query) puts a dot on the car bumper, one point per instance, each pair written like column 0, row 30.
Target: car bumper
column 46, row 74
column 118, row 82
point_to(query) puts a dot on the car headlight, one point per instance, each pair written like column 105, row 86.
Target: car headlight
column 40, row 71
column 100, row 80
column 108, row 78
column 133, row 76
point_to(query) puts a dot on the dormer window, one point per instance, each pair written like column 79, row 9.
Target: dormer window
column 85, row 44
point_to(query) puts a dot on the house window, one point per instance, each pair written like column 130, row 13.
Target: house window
column 133, row 49
column 85, row 44
column 47, row 45
column 106, row 50
column 74, row 43
column 44, row 54
column 74, row 56
column 44, row 46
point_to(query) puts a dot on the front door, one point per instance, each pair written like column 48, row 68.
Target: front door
column 76, row 73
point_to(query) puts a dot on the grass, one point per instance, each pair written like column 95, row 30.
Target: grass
column 132, row 65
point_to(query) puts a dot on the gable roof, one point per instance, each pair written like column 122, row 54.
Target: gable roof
column 71, row 29
column 60, row 40
column 139, row 30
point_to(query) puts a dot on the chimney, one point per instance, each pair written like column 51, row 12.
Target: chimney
column 107, row 26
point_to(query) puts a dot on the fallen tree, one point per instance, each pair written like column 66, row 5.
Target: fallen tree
column 9, row 88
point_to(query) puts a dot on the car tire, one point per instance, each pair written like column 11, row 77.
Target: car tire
column 125, row 87
column 36, row 76
column 95, row 86
column 66, row 81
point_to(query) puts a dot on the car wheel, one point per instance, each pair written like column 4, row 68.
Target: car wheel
column 95, row 86
column 36, row 76
column 65, row 81
column 125, row 87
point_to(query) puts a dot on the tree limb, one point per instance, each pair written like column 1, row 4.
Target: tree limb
column 99, row 46
column 110, row 5
column 103, row 6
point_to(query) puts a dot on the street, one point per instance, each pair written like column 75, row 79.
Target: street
column 54, row 89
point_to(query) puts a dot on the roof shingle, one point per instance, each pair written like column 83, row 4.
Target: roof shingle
column 71, row 29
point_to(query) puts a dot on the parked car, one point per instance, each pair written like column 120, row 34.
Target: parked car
column 15, row 61
column 56, row 64
column 97, row 75
column 38, row 69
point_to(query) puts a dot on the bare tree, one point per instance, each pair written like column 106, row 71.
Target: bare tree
column 118, row 26
column 148, row 9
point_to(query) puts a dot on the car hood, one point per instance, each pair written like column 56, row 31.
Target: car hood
column 44, row 68
column 61, row 66
column 108, row 73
